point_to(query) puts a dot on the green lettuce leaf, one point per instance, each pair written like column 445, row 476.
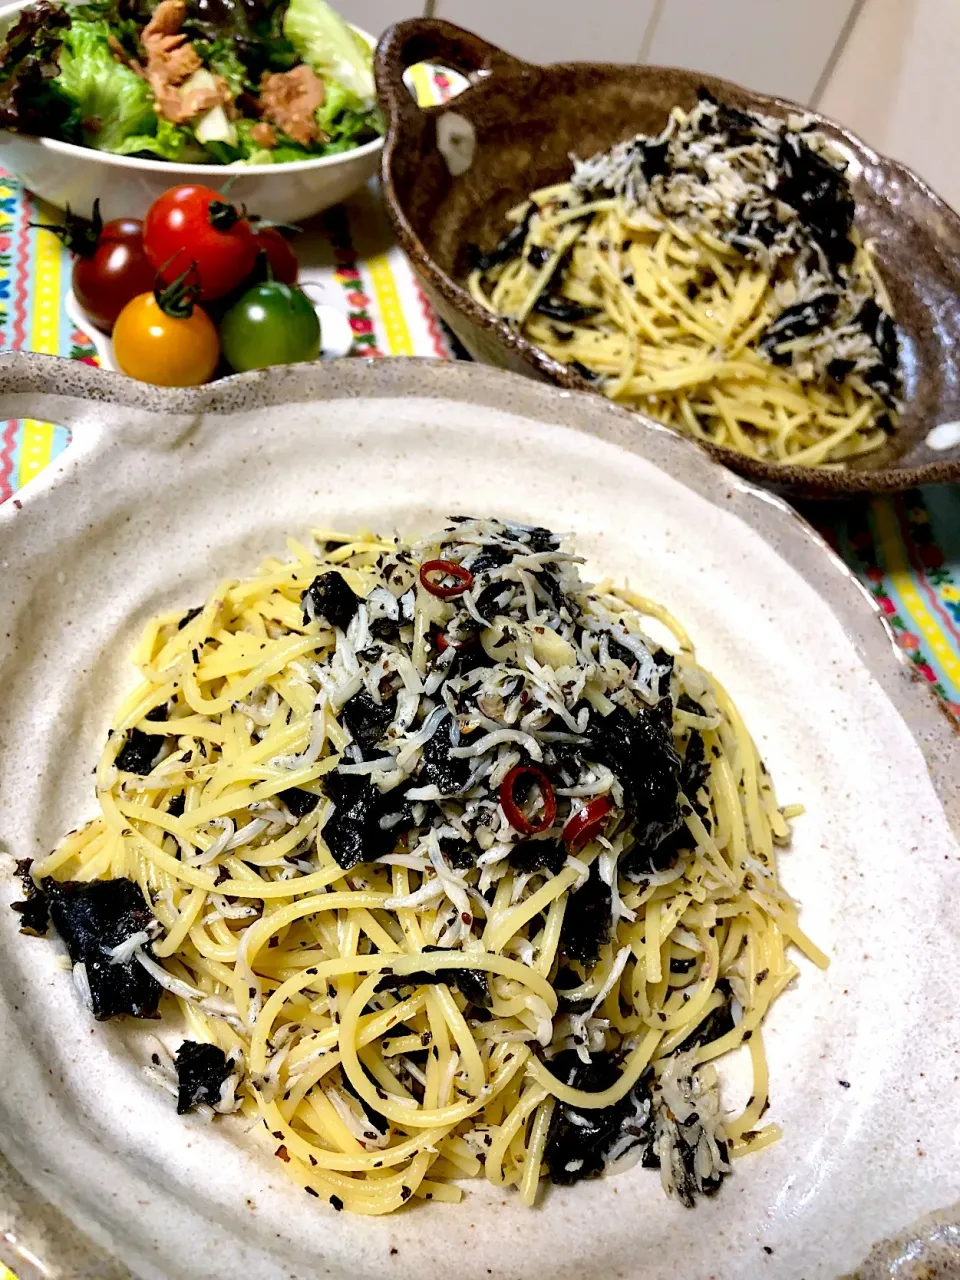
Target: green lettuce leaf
column 113, row 102
column 170, row 142
column 220, row 57
column 326, row 43
column 346, row 120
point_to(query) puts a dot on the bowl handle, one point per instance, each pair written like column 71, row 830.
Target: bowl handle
column 432, row 40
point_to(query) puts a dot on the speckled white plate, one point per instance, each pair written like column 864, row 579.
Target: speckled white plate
column 162, row 492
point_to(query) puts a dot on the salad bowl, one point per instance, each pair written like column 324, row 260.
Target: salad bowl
column 65, row 173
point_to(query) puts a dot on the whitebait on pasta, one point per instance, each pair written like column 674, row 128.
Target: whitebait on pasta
column 711, row 277
column 512, row 949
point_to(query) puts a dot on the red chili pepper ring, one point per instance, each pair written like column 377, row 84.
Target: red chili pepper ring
column 508, row 799
column 587, row 822
column 445, row 569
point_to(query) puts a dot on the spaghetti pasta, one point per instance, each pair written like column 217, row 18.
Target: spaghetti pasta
column 304, row 839
column 711, row 277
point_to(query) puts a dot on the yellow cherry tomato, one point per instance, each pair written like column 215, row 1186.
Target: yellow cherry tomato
column 167, row 350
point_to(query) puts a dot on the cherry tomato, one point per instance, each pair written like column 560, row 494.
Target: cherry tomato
column 116, row 271
column 194, row 227
column 167, row 350
column 282, row 259
column 272, row 323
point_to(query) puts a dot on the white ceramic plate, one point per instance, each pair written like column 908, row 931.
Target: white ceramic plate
column 159, row 494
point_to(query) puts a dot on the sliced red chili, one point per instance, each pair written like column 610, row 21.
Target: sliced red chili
column 440, row 640
column 511, row 808
column 445, row 569
column 587, row 822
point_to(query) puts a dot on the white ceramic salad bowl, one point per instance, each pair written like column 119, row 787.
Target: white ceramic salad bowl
column 63, row 173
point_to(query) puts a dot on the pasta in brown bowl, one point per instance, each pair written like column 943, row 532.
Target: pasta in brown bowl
column 711, row 276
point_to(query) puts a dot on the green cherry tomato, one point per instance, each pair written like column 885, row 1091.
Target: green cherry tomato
column 272, row 323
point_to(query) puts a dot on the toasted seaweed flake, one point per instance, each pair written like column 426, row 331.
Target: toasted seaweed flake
column 474, row 985
column 189, row 616
column 639, row 750
column 367, row 721
column 799, row 321
column 509, row 247
column 299, row 801
column 379, row 1122
column 34, row 910
column 94, row 917
column 331, row 599
column 579, row 1140
column 438, row 768
column 139, row 752
column 353, row 832
column 201, row 1071
column 564, row 310
column 176, row 806
column 538, row 855
column 587, row 920
column 821, row 196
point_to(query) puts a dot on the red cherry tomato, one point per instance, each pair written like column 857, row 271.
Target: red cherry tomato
column 282, row 259
column 116, row 271
column 192, row 226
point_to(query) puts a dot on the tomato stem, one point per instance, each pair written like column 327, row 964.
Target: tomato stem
column 79, row 235
column 177, row 299
column 222, row 215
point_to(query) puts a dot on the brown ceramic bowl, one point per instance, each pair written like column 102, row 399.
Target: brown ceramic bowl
column 527, row 119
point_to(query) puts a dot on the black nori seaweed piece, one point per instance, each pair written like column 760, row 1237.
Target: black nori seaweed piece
column 716, row 1024
column 139, row 752
column 653, row 158
column 367, row 721
column 176, row 806
column 333, row 599
column 299, row 801
column 201, row 1071
column 505, row 249
column 473, row 985
column 157, row 714
column 487, row 602
column 883, row 381
column 538, row 855
column 189, row 616
column 34, row 910
column 493, row 556
column 93, row 917
column 739, row 127
column 879, row 328
column 799, row 321
column 379, row 1121
column 694, row 771
column 551, row 586
column 564, row 310
column 353, row 832
column 583, row 1138
column 438, row 768
column 838, row 369
column 538, row 255
column 587, row 920
column 639, row 750
column 686, row 703
column 538, row 537
column 460, row 855
column 821, row 196
column 579, row 367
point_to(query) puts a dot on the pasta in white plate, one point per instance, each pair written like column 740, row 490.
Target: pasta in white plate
column 450, row 869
